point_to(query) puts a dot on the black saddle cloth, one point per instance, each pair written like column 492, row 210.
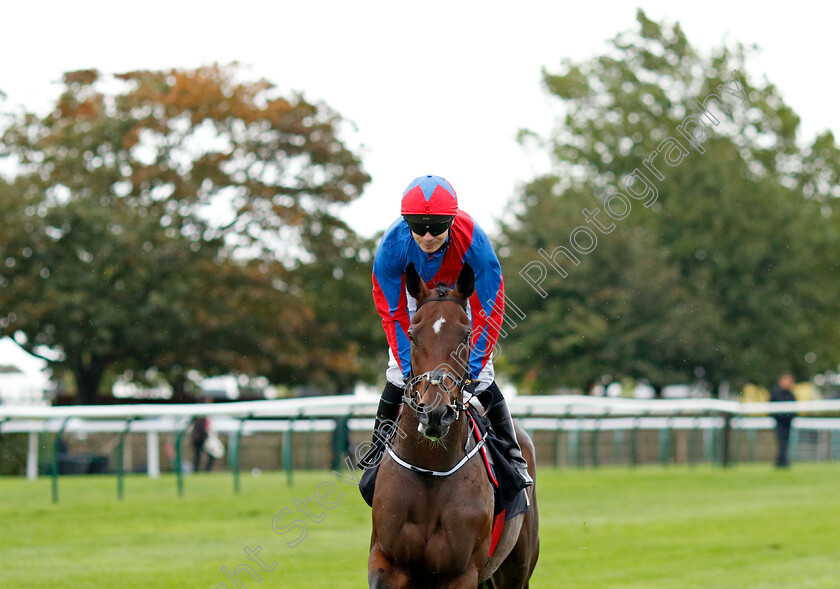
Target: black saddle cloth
column 509, row 494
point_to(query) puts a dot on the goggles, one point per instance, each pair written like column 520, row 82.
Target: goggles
column 434, row 224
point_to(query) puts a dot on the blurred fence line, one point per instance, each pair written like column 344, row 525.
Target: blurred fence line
column 318, row 432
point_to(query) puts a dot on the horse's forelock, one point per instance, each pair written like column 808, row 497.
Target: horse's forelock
column 441, row 290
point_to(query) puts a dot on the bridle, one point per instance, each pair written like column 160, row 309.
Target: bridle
column 438, row 377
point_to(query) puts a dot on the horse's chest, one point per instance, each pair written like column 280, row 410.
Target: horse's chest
column 433, row 542
column 437, row 529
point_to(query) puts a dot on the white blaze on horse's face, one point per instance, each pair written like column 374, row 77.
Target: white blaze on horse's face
column 437, row 324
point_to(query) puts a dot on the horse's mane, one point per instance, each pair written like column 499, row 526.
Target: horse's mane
column 441, row 290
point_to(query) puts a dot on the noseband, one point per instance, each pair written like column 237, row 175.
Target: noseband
column 439, row 378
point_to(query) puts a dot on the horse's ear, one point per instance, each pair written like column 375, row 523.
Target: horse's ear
column 465, row 285
column 414, row 284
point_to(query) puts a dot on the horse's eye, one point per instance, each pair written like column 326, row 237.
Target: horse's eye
column 411, row 336
column 467, row 335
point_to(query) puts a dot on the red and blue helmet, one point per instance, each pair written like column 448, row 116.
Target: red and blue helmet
column 429, row 195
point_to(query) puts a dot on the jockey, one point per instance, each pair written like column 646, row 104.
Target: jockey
column 439, row 239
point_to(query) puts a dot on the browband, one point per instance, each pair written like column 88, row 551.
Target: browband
column 442, row 299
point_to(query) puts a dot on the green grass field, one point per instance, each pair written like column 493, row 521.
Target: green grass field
column 680, row 527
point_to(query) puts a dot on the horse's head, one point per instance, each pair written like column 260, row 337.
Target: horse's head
column 440, row 349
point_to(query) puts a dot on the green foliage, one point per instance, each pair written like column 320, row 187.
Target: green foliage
column 726, row 266
column 13, row 449
column 336, row 285
column 623, row 312
column 157, row 221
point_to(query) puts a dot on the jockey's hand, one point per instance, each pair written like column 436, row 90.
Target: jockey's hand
column 470, row 386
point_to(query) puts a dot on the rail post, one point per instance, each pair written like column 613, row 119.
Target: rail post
column 709, row 442
column 56, row 445
column 574, row 443
column 179, row 466
column 726, row 442
column 618, row 446
column 665, row 442
column 234, row 452
column 834, row 446
column 752, row 437
column 153, row 454
column 287, row 455
column 561, row 421
column 694, row 438
column 340, row 441
column 310, row 443
column 32, row 456
column 634, row 440
column 596, row 432
column 121, row 458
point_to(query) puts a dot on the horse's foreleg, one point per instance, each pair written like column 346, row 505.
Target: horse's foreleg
column 382, row 574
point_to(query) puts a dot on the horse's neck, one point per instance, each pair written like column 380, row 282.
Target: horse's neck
column 411, row 446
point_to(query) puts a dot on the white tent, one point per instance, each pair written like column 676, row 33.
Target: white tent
column 23, row 378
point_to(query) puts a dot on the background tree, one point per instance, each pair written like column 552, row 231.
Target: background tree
column 623, row 312
column 742, row 229
column 336, row 284
column 158, row 222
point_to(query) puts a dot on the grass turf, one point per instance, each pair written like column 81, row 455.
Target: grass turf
column 678, row 527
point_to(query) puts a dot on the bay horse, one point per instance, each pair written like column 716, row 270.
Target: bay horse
column 434, row 530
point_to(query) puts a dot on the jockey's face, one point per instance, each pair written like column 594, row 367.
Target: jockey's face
column 430, row 243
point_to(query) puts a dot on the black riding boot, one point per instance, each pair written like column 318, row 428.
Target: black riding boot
column 502, row 423
column 384, row 426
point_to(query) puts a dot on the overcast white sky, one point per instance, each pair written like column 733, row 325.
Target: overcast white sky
column 433, row 87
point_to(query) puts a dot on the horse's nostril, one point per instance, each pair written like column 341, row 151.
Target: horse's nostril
column 448, row 416
column 422, row 414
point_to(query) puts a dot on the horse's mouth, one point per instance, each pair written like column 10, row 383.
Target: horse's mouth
column 433, row 433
